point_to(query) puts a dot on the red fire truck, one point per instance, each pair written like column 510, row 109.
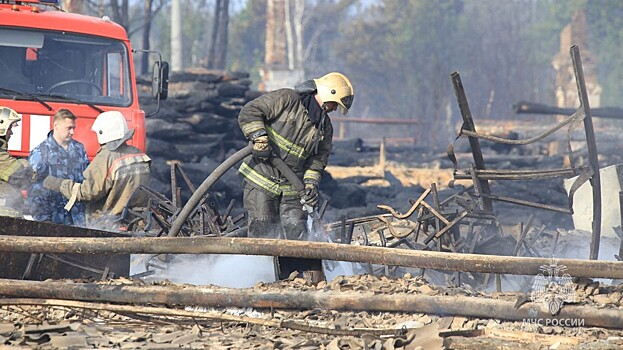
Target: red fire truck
column 51, row 59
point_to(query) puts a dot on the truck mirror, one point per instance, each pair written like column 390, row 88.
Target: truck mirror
column 164, row 78
column 160, row 80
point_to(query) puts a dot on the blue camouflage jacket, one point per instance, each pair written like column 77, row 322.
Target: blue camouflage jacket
column 49, row 158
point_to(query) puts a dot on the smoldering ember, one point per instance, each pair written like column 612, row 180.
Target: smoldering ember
column 510, row 239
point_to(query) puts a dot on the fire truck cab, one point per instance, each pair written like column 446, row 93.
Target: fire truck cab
column 51, row 59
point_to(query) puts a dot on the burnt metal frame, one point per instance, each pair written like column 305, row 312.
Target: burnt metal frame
column 480, row 175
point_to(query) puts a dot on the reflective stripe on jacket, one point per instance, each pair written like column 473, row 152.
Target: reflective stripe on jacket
column 111, row 179
column 284, row 117
column 15, row 175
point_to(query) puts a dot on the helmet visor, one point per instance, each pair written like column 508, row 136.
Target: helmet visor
column 347, row 101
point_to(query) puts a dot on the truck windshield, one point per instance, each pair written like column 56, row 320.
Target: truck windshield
column 50, row 65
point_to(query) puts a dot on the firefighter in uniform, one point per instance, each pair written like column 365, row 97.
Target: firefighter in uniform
column 116, row 171
column 15, row 173
column 293, row 125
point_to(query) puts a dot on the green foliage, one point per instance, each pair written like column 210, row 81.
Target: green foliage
column 400, row 58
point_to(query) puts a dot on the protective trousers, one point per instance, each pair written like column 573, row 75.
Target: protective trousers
column 269, row 217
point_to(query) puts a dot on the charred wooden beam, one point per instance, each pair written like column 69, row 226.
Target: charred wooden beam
column 383, row 121
column 468, row 124
column 134, row 310
column 351, row 301
column 308, row 250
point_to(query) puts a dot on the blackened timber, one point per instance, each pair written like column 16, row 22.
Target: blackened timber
column 211, row 315
column 455, row 305
column 592, row 150
column 468, row 124
column 308, row 250
column 18, row 265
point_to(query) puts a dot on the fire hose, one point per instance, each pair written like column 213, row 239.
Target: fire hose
column 205, row 186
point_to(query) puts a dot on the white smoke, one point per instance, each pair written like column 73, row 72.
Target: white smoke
column 233, row 271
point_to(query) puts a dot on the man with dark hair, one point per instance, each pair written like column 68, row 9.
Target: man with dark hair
column 61, row 156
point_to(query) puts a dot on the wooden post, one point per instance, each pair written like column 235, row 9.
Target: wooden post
column 468, row 124
column 592, row 150
column 341, row 130
column 382, row 157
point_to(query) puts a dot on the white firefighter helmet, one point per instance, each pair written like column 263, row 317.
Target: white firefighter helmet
column 110, row 126
column 7, row 117
column 336, row 87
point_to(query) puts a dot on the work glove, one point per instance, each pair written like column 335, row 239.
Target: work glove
column 311, row 194
column 262, row 151
column 52, row 183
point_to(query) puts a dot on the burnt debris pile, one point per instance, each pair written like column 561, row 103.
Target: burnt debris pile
column 197, row 128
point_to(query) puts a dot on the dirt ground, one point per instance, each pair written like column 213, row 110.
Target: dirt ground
column 407, row 175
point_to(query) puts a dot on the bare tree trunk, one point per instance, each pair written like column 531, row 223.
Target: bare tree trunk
column 213, row 36
column 223, row 33
column 275, row 51
column 146, row 34
column 101, row 8
column 217, row 53
column 289, row 36
column 176, row 37
column 73, row 6
column 299, row 10
column 121, row 13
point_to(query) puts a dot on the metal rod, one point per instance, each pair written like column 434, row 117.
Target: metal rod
column 515, row 176
column 537, row 108
column 448, row 226
column 569, row 171
column 529, row 204
column 375, row 120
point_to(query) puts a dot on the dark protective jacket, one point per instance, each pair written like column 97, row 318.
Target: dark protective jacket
column 15, row 175
column 302, row 144
column 110, row 180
